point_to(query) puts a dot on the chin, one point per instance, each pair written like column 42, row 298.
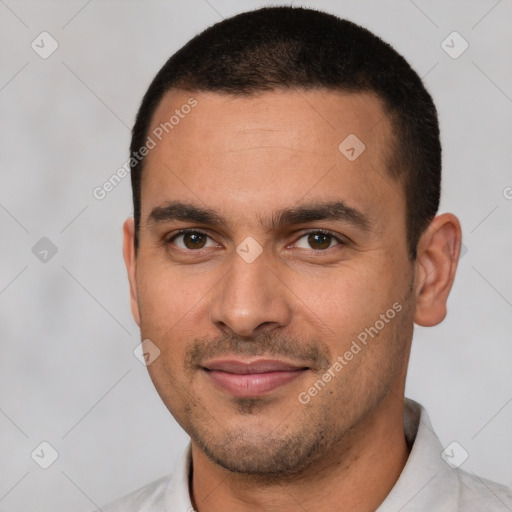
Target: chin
column 247, row 452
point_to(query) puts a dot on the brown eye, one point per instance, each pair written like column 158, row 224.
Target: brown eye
column 319, row 240
column 194, row 240
column 191, row 240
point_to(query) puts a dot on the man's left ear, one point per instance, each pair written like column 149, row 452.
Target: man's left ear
column 436, row 264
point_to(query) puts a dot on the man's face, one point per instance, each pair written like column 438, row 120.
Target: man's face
column 251, row 308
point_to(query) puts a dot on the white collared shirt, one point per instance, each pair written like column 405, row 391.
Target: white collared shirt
column 427, row 483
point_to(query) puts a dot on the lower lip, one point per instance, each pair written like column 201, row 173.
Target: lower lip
column 252, row 384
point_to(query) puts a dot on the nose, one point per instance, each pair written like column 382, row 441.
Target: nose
column 251, row 299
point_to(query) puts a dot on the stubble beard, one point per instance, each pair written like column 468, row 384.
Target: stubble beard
column 305, row 433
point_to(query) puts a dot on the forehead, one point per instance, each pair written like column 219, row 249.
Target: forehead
column 311, row 120
column 271, row 148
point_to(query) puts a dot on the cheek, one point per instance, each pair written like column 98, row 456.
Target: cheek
column 346, row 299
column 168, row 296
column 167, row 307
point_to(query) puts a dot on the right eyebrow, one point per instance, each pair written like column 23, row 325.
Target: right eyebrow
column 176, row 210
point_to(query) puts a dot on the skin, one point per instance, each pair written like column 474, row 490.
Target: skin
column 246, row 158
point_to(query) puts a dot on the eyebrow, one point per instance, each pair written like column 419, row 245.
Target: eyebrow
column 310, row 212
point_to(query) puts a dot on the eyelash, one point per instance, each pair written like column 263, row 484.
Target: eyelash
column 199, row 232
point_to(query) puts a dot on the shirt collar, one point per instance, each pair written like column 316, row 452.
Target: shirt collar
column 426, row 481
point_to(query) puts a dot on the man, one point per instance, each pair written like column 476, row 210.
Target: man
column 286, row 178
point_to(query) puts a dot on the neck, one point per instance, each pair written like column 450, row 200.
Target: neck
column 357, row 474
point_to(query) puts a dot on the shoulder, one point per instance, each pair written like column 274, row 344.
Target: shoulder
column 429, row 482
column 169, row 493
column 151, row 497
column 477, row 494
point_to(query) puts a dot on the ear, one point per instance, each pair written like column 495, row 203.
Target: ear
column 436, row 264
column 130, row 260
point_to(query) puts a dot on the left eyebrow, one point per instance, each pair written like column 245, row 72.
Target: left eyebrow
column 327, row 210
column 333, row 210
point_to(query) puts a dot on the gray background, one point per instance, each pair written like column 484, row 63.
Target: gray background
column 68, row 375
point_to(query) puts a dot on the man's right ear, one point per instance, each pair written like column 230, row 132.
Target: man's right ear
column 130, row 261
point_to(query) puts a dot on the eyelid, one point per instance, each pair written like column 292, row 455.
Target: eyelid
column 186, row 230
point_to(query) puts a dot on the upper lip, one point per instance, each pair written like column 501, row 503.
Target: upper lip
column 255, row 366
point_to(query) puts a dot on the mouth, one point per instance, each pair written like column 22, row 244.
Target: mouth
column 251, row 379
